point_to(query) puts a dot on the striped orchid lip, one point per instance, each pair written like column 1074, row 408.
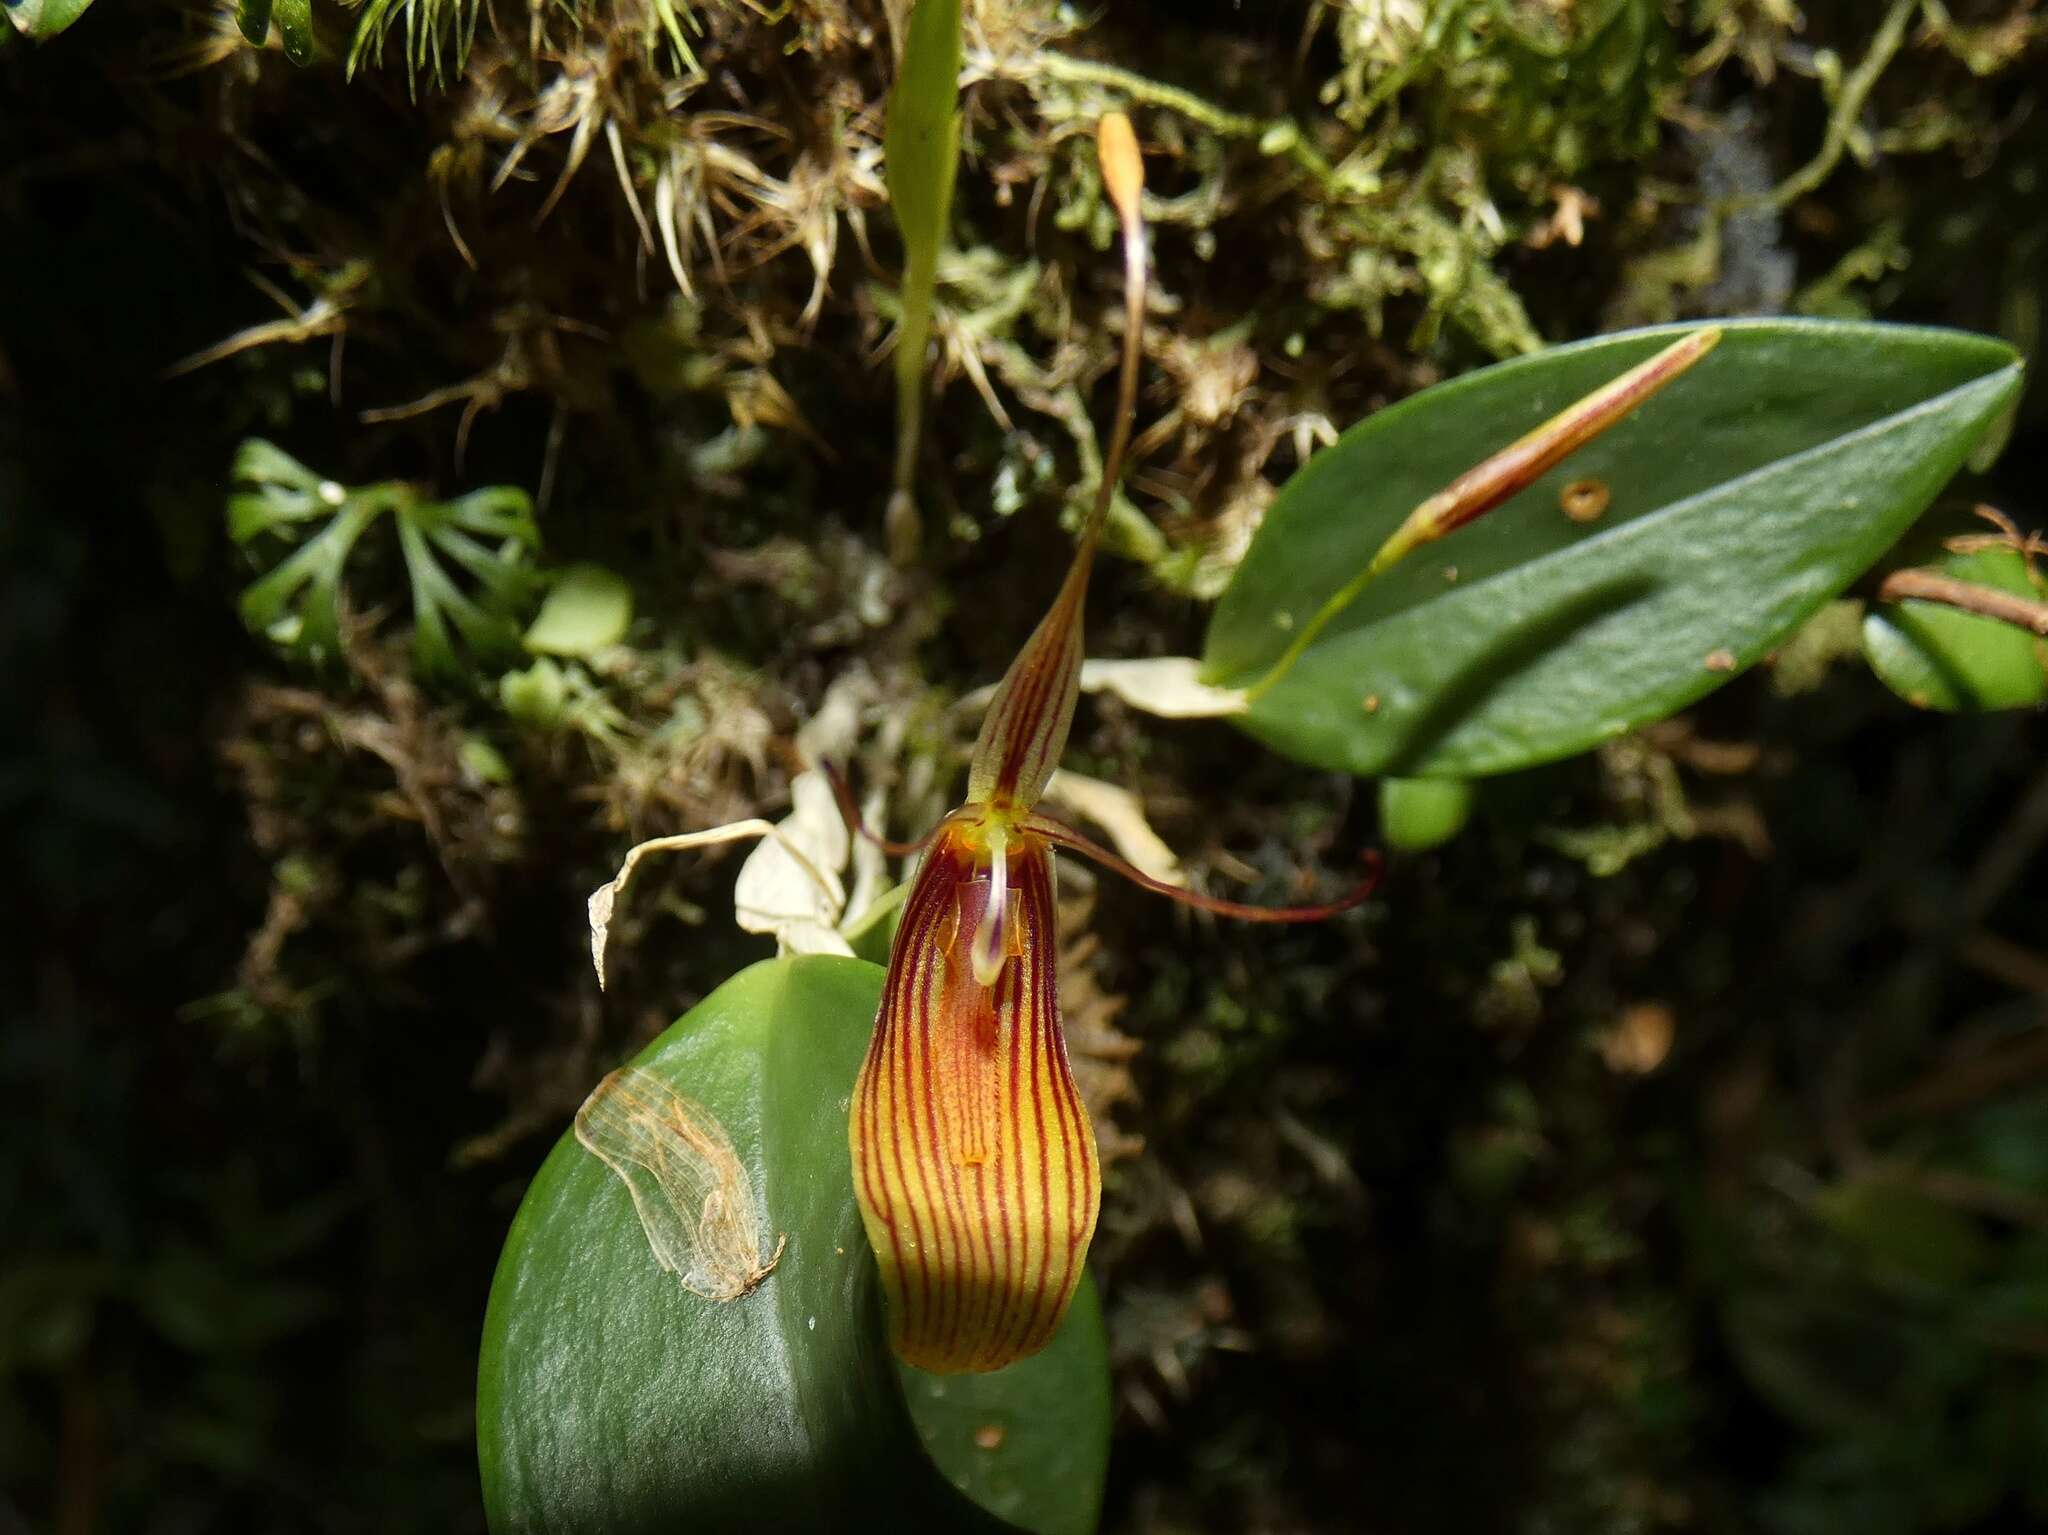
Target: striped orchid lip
column 974, row 1160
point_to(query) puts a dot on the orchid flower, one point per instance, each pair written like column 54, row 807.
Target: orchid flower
column 974, row 1160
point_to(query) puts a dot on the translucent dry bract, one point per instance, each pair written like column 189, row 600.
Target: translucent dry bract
column 691, row 1192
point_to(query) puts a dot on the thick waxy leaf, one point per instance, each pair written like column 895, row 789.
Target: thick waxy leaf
column 253, row 17
column 981, row 1428
column 1639, row 575
column 1936, row 657
column 45, row 18
column 295, row 27
column 613, row 1400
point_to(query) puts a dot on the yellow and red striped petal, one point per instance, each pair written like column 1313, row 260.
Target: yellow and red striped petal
column 974, row 1161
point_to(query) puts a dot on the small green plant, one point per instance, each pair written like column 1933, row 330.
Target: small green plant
column 1615, row 589
column 488, row 535
column 1968, row 634
column 294, row 20
column 1521, row 564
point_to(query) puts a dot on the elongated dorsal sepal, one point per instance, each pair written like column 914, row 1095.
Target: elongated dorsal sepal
column 1025, row 729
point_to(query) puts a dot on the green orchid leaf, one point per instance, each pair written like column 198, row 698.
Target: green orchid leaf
column 1421, row 813
column 295, row 27
column 1938, row 657
column 613, row 1400
column 253, row 17
column 921, row 147
column 1028, row 1443
column 41, row 19
column 1642, row 573
column 586, row 611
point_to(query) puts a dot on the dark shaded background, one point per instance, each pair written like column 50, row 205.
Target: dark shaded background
column 1405, row 1250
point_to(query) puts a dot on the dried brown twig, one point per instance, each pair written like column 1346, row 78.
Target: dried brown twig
column 1984, row 601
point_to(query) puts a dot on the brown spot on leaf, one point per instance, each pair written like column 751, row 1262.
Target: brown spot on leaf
column 1584, row 500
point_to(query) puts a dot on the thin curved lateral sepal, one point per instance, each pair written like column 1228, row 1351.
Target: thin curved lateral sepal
column 1061, row 835
column 1025, row 730
column 849, row 812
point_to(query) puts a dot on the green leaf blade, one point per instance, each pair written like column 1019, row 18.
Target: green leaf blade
column 612, row 1401
column 997, row 1437
column 44, row 19
column 921, row 145
column 921, row 157
column 253, row 17
column 1935, row 657
column 586, row 611
column 295, row 28
column 1421, row 813
column 1742, row 498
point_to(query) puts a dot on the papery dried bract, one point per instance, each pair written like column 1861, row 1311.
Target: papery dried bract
column 1121, row 813
column 689, row 1188
column 1168, row 686
column 603, row 902
column 778, row 894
